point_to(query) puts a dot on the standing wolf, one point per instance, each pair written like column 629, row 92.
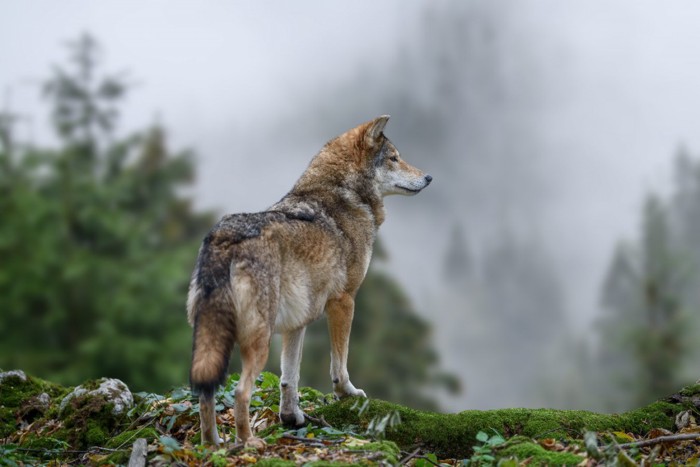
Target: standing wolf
column 279, row 270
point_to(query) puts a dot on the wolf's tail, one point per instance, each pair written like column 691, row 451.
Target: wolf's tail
column 210, row 312
column 214, row 336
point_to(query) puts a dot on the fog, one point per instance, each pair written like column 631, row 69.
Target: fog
column 543, row 123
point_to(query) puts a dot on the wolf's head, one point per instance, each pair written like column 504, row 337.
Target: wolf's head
column 392, row 175
column 364, row 160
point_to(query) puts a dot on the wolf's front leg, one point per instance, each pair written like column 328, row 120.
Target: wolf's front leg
column 340, row 312
column 290, row 413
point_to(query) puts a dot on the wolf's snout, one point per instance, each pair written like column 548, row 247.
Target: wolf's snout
column 428, row 179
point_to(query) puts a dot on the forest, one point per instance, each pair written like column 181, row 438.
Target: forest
column 99, row 235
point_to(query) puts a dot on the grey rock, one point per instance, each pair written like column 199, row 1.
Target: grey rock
column 113, row 390
column 13, row 374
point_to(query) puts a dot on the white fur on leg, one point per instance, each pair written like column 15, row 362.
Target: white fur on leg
column 347, row 389
column 290, row 413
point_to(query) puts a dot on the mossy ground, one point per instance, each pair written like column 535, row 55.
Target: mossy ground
column 453, row 435
column 537, row 455
column 170, row 425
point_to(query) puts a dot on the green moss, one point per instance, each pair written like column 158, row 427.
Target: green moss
column 453, row 435
column 8, row 423
column 94, row 434
column 658, row 414
column 89, row 421
column 690, row 391
column 334, row 464
column 43, row 442
column 274, row 463
column 538, row 455
column 14, row 391
column 92, row 384
column 118, row 458
column 389, row 448
column 16, row 397
column 127, row 438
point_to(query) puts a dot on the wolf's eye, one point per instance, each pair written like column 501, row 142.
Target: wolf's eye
column 394, row 159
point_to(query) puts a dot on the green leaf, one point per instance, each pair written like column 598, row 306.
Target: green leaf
column 180, row 407
column 171, row 423
column 429, row 460
column 496, row 440
column 169, row 444
column 481, row 436
column 180, row 394
column 268, row 381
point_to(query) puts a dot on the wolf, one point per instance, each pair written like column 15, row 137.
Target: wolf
column 278, row 270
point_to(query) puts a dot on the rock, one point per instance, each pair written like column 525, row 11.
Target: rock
column 34, row 407
column 111, row 390
column 13, row 374
column 682, row 419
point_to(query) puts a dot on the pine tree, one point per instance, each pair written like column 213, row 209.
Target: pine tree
column 685, row 221
column 642, row 331
column 524, row 306
column 97, row 242
column 458, row 264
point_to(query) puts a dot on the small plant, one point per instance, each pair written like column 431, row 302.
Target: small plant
column 379, row 424
column 484, row 453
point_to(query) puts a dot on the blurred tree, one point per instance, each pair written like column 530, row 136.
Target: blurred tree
column 685, row 220
column 97, row 242
column 524, row 306
column 642, row 333
column 458, row 264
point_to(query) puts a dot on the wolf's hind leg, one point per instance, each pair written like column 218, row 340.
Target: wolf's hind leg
column 255, row 347
column 340, row 312
column 207, row 415
column 290, row 413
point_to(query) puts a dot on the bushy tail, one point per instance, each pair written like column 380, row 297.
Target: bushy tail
column 214, row 336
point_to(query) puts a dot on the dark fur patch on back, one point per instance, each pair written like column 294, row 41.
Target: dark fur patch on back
column 214, row 261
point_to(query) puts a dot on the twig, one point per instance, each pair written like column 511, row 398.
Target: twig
column 662, row 439
column 100, row 448
column 368, row 455
column 376, row 456
column 409, row 457
column 318, row 421
column 308, row 441
column 299, row 438
column 51, row 451
column 70, row 451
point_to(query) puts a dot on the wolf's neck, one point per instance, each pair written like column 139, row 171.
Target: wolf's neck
column 370, row 203
column 375, row 203
column 345, row 203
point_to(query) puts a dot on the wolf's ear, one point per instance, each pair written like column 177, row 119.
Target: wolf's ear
column 374, row 131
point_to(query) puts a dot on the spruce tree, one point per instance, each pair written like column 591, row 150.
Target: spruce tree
column 97, row 242
column 643, row 340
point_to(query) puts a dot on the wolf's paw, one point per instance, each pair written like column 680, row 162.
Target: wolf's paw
column 294, row 419
column 256, row 443
column 214, row 440
column 348, row 390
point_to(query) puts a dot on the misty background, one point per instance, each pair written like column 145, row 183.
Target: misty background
column 546, row 125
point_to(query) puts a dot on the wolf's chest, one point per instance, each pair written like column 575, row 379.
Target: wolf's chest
column 302, row 298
